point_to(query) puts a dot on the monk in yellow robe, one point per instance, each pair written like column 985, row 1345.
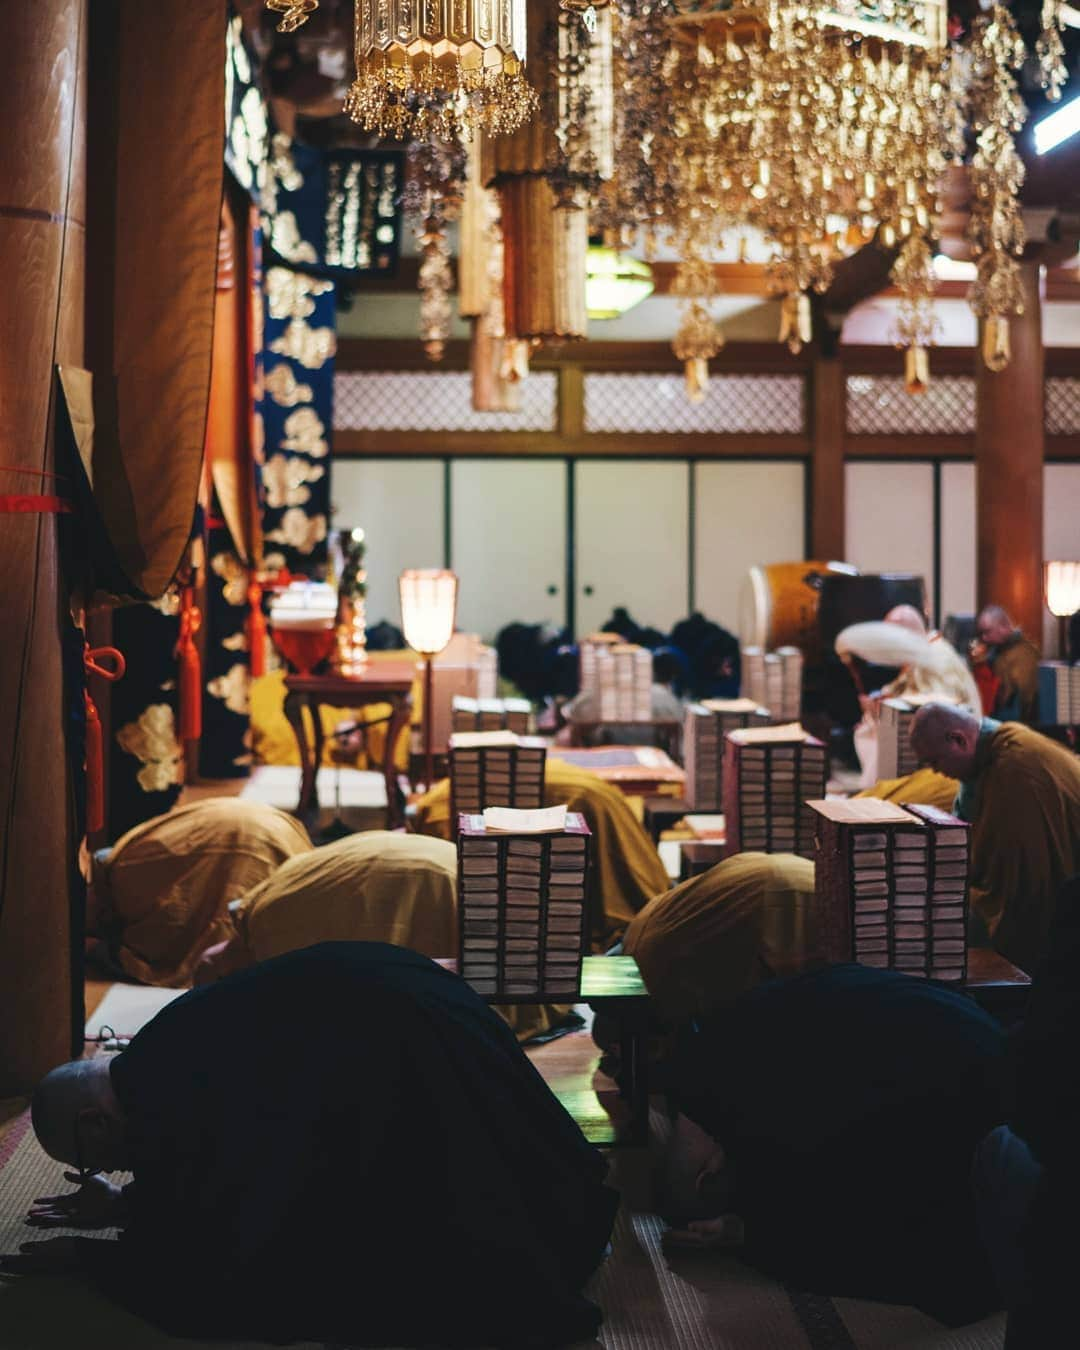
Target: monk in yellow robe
column 1021, row 793
column 747, row 919
column 627, row 870
column 371, row 887
column 924, row 787
column 160, row 896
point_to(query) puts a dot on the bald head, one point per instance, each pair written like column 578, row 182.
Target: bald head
column 946, row 738
column 907, row 616
column 77, row 1116
column 993, row 625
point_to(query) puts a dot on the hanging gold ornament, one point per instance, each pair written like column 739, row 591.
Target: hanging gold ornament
column 996, row 344
column 426, row 67
column 1050, row 50
column 916, row 326
column 294, row 13
column 547, row 173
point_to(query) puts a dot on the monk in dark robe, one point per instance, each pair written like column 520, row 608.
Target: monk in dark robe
column 340, row 1144
column 848, row 1104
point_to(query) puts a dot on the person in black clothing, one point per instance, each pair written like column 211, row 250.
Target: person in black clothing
column 1027, row 1173
column 341, row 1144
column 848, row 1104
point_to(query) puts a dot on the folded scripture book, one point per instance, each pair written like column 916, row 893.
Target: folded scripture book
column 495, row 768
column 769, row 775
column 896, row 758
column 523, row 906
column 892, row 886
column 704, row 727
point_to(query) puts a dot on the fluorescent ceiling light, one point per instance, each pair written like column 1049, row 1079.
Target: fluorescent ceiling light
column 953, row 269
column 614, row 282
column 1058, row 126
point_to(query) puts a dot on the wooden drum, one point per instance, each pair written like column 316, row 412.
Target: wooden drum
column 778, row 606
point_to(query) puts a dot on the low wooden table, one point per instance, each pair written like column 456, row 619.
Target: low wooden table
column 996, row 984
column 661, row 813
column 383, row 682
column 637, row 770
column 666, row 732
column 697, row 856
column 612, row 985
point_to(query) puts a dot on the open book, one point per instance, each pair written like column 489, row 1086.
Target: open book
column 507, row 820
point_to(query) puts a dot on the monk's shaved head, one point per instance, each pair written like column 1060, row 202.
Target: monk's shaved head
column 946, row 738
column 907, row 616
column 993, row 624
column 77, row 1117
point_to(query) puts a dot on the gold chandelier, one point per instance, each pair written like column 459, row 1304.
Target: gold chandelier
column 433, row 67
column 821, row 124
column 447, row 67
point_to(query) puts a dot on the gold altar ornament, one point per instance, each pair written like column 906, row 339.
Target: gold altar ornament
column 293, row 13
column 442, row 67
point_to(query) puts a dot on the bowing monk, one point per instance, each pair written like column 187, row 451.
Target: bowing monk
column 847, row 1105
column 160, row 896
column 1021, row 793
column 300, row 1175
column 704, row 942
column 377, row 886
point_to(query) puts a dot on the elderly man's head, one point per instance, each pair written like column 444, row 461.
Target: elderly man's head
column 993, row 625
column 907, row 616
column 78, row 1118
column 946, row 738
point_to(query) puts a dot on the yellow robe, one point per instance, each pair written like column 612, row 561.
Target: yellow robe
column 720, row 933
column 167, row 883
column 1025, row 838
column 924, row 787
column 371, row 887
column 627, row 871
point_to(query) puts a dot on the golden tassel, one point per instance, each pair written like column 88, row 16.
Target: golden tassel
column 996, row 346
column 697, row 378
column 916, row 370
column 796, row 323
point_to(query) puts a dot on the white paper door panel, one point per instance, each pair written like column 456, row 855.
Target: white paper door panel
column 890, row 519
column 508, row 542
column 746, row 515
column 631, row 521
column 957, row 539
column 399, row 503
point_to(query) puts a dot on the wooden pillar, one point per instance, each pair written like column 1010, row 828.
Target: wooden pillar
column 828, row 426
column 42, row 251
column 1009, row 452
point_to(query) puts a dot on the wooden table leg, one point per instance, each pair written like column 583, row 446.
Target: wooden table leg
column 399, row 719
column 294, row 712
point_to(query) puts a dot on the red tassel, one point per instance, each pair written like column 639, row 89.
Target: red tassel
column 256, row 631
column 190, row 672
column 95, row 770
column 95, row 750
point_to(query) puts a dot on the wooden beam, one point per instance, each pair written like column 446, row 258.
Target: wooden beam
column 864, row 275
column 501, row 444
column 828, row 419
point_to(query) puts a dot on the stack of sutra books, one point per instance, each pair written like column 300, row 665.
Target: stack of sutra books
column 769, row 775
column 892, row 886
column 491, row 714
column 522, row 888
column 495, row 768
column 704, row 727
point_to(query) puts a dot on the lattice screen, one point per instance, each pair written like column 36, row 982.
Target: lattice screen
column 436, row 400
column 1062, row 406
column 879, row 405
column 732, row 403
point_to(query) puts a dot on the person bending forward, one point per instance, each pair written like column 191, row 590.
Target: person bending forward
column 340, row 1144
